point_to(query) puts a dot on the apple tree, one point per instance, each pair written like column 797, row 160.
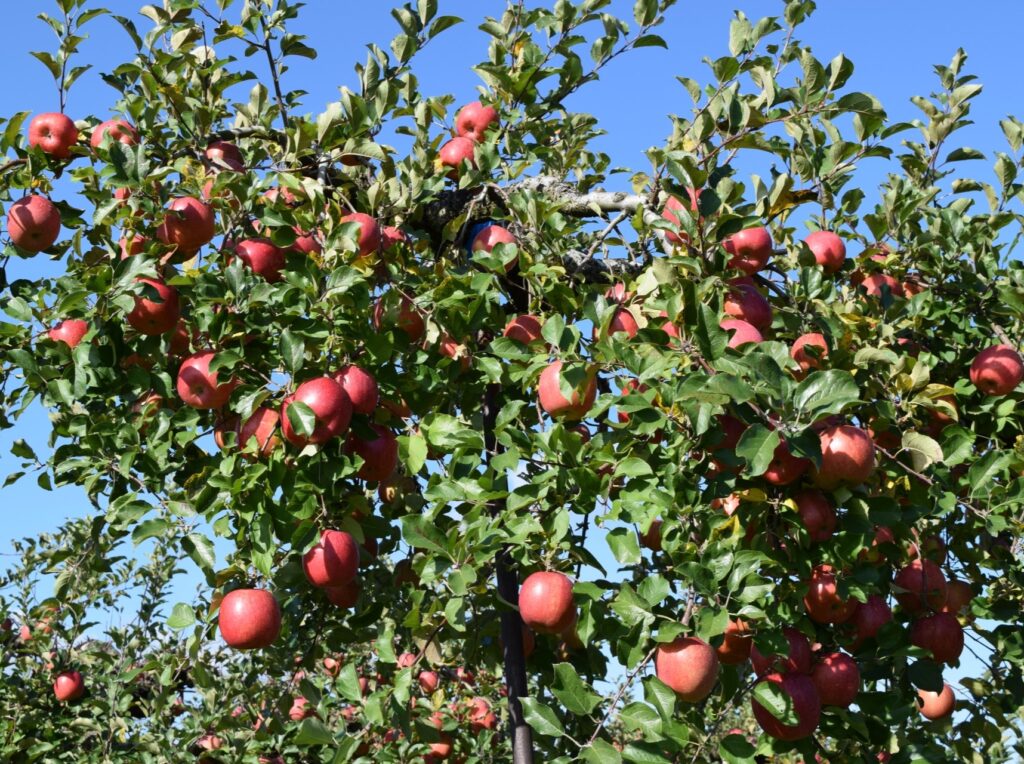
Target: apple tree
column 481, row 449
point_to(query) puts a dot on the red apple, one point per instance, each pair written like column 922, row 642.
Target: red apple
column 454, row 153
column 874, row 283
column 428, row 681
column 809, row 351
column 481, row 717
column 331, row 408
column 262, row 257
column 784, row 468
column 817, row 514
column 736, row 643
column 997, row 370
column 822, row 600
column 474, row 120
column 941, row 635
column 806, row 705
column 958, row 596
column 360, row 386
column 380, row 455
column 545, row 602
column 68, row 686
column 249, row 619
column 936, row 705
column 407, row 318
column 742, row 332
column 669, row 213
column 136, row 246
column 155, row 316
column 344, row 596
column 797, row 660
column 300, row 709
column 118, row 130
column 651, row 538
column 837, row 679
column 54, row 133
column 525, row 329
column 199, row 387
column 744, row 302
column 33, row 223
column 923, row 584
column 390, row 236
column 622, row 321
column 188, row 225
column 258, row 434
column 491, row 236
column 555, row 403
column 847, row 456
column 870, row 617
column 828, row 249
column 750, row 249
column 369, row 232
column 689, row 666
column 333, row 560
column 225, row 155
column 70, row 331
column 668, row 327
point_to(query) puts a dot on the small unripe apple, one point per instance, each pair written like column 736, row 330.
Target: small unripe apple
column 997, row 370
column 936, row 705
column 249, row 619
column 333, row 560
column 368, row 240
column 741, row 332
column 828, row 249
column 555, row 403
column 837, row 679
column 804, row 701
column 750, row 249
column 474, row 120
column 70, row 331
column 54, row 133
column 119, row 131
column 33, row 223
column 545, row 602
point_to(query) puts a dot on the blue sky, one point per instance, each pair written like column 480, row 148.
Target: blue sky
column 892, row 44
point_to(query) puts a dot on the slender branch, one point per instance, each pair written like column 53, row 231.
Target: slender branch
column 275, row 76
column 630, row 677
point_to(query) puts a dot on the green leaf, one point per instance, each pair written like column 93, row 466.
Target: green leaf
column 348, row 683
column 602, row 752
column 924, row 451
column 630, row 608
column 23, row 450
column 926, row 675
column 413, row 450
column 200, row 549
column 156, row 526
column 633, row 467
column 313, row 732
column 736, row 749
column 293, row 351
column 825, row 392
column 775, row 701
column 624, row 545
column 422, row 532
column 301, row 417
column 570, row 690
column 757, row 445
column 182, row 616
column 541, row 718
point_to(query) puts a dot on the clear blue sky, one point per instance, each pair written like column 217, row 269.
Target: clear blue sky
column 892, row 44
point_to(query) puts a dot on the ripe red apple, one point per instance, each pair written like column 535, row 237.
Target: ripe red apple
column 369, row 232
column 380, row 456
column 136, row 246
column 406, row 317
column 940, row 634
column 837, row 679
column 805, row 704
column 360, row 386
column 450, row 347
column 249, row 619
column 829, row 250
column 344, row 596
column 525, row 329
column 225, row 155
column 545, row 602
column 668, row 327
column 555, row 403
column 54, row 133
column 651, row 538
column 936, row 705
column 958, row 596
column 199, row 387
column 258, row 434
column 188, row 225
column 428, row 681
column 997, row 370
column 822, row 600
column 817, row 514
column 491, row 236
column 474, row 120
column 262, row 257
column 300, row 709
column 689, row 666
column 622, row 321
column 155, row 316
column 784, row 468
column 68, row 686
column 307, row 242
column 847, row 456
column 874, row 284
column 454, row 153
column 333, row 560
column 809, row 351
column 750, row 249
column 70, row 331
column 330, row 405
column 118, row 130
column 923, row 584
column 745, row 302
column 870, row 617
column 669, row 213
column 736, row 643
column 798, row 659
column 33, row 223
column 742, row 332
column 390, row 236
column 481, row 717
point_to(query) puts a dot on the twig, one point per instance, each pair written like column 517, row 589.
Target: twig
column 618, row 695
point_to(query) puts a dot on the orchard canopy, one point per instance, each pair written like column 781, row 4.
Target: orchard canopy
column 471, row 446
